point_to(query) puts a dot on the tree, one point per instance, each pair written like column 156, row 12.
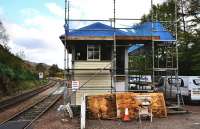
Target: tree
column 3, row 36
column 53, row 70
column 40, row 67
column 21, row 54
column 188, row 16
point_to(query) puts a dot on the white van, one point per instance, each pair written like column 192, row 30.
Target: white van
column 189, row 87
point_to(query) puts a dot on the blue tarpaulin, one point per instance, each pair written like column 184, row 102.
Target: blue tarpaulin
column 135, row 47
column 97, row 29
column 149, row 29
column 144, row 29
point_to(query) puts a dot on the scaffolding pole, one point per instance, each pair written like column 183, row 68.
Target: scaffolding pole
column 66, row 53
column 114, row 47
column 153, row 45
column 169, row 69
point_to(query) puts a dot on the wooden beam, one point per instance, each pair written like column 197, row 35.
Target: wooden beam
column 110, row 38
column 137, row 38
column 89, row 38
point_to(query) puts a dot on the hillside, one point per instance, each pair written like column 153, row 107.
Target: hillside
column 15, row 74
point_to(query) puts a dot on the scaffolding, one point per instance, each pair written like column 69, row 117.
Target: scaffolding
column 159, row 48
column 165, row 57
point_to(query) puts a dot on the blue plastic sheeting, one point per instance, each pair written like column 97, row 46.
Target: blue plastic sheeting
column 97, row 29
column 146, row 29
column 135, row 47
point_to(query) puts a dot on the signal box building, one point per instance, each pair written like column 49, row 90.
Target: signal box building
column 92, row 58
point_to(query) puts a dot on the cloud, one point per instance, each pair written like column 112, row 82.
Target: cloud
column 39, row 44
column 55, row 9
column 38, row 34
column 103, row 9
column 29, row 12
column 30, row 43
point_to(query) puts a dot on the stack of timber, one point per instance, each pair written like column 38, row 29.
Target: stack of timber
column 126, row 100
column 101, row 106
column 158, row 105
column 132, row 102
column 112, row 106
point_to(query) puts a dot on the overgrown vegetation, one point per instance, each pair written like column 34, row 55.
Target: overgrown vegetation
column 15, row 74
column 54, row 71
column 188, row 16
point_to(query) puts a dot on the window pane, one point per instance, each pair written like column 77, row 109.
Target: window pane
column 90, row 49
column 96, row 48
column 90, row 55
column 96, row 55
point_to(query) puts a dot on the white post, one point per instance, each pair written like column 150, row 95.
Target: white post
column 83, row 112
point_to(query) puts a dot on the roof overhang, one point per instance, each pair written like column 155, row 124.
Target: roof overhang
column 128, row 39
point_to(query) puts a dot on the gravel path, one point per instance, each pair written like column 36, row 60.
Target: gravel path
column 53, row 120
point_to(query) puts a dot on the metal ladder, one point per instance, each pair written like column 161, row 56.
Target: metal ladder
column 169, row 57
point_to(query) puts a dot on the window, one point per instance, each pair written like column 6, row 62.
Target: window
column 161, row 82
column 172, row 81
column 93, row 52
column 196, row 82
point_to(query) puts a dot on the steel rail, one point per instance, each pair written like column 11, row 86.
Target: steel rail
column 19, row 115
column 22, row 97
column 46, row 109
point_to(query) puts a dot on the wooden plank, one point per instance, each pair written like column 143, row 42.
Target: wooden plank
column 101, row 107
column 88, row 38
column 92, row 65
column 110, row 38
column 137, row 38
column 129, row 100
column 126, row 100
column 83, row 112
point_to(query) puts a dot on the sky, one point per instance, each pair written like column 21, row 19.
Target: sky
column 34, row 26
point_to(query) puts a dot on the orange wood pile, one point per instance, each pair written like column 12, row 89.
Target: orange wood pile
column 132, row 102
column 101, row 106
column 112, row 106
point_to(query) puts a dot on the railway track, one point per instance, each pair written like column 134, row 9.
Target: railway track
column 22, row 97
column 25, row 118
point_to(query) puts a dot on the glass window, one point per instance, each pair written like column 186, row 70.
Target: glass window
column 93, row 52
column 90, row 56
column 196, row 81
column 161, row 82
column 172, row 81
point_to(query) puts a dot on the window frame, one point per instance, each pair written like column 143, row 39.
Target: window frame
column 93, row 46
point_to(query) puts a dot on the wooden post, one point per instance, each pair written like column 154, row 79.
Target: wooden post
column 83, row 112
